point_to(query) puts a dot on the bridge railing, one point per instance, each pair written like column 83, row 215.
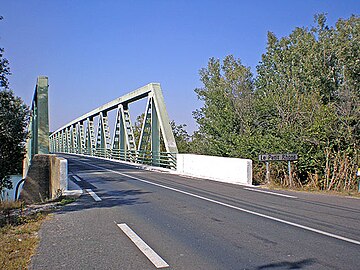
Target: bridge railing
column 163, row 159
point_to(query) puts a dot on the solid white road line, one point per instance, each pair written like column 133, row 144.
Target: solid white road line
column 92, row 194
column 232, row 206
column 76, row 178
column 144, row 248
column 272, row 193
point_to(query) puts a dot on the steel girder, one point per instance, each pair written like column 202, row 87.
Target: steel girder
column 38, row 141
column 78, row 136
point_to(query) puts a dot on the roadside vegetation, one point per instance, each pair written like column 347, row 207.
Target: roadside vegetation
column 19, row 226
column 14, row 118
column 18, row 235
column 303, row 99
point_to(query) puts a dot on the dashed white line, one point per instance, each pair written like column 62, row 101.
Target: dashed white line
column 232, row 206
column 76, row 178
column 93, row 194
column 272, row 193
column 144, row 248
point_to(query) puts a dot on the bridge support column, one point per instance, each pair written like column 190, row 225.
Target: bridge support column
column 38, row 143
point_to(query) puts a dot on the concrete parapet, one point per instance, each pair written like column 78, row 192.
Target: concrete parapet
column 58, row 175
column 224, row 169
column 46, row 179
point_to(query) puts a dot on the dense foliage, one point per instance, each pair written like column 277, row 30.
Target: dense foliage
column 13, row 122
column 181, row 136
column 304, row 99
column 14, row 116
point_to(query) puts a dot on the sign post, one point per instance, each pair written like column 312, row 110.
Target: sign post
column 278, row 157
column 358, row 176
column 290, row 177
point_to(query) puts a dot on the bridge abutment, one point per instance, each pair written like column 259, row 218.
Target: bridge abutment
column 46, row 179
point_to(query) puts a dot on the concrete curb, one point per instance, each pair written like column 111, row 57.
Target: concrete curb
column 75, row 190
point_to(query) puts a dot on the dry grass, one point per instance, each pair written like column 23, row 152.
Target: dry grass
column 344, row 193
column 4, row 205
column 19, row 226
column 19, row 242
column 7, row 209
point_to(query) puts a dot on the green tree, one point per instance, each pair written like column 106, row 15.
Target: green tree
column 307, row 96
column 226, row 94
column 137, row 126
column 305, row 99
column 14, row 116
column 182, row 138
column 4, row 69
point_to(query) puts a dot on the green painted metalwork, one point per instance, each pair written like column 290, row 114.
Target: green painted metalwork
column 78, row 136
column 119, row 140
column 155, row 134
column 39, row 141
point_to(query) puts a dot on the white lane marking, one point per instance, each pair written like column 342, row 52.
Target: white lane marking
column 272, row 193
column 76, row 178
column 92, row 194
column 96, row 173
column 144, row 248
column 233, row 207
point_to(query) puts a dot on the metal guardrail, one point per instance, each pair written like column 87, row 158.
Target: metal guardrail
column 162, row 159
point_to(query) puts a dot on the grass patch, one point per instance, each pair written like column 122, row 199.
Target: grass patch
column 7, row 210
column 9, row 205
column 343, row 193
column 19, row 226
column 18, row 242
column 64, row 201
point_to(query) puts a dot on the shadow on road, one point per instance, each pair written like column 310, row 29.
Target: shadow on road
column 115, row 198
column 288, row 265
column 104, row 184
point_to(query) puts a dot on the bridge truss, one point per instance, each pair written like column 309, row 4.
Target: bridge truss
column 156, row 144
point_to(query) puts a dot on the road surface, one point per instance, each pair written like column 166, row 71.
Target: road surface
column 136, row 219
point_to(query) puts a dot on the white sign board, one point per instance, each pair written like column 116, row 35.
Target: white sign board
column 278, row 157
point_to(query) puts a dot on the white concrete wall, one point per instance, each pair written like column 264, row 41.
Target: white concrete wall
column 58, row 175
column 63, row 174
column 230, row 170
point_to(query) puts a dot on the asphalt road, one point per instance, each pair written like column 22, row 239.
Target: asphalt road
column 194, row 224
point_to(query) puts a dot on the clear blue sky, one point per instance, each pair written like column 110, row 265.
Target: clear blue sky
column 96, row 51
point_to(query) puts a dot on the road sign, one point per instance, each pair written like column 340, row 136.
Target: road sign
column 278, row 157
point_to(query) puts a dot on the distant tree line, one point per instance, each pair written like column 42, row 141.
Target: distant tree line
column 304, row 99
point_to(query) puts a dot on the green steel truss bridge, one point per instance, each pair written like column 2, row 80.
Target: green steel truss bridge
column 155, row 145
